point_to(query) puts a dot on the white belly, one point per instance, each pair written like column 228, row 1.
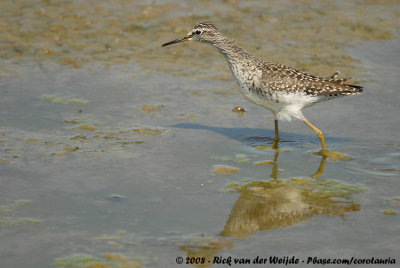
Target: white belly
column 283, row 106
column 270, row 104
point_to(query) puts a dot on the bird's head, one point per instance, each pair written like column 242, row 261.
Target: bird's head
column 202, row 32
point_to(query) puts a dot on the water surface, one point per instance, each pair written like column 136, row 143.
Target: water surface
column 115, row 151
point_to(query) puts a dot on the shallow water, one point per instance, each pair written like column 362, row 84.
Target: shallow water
column 120, row 152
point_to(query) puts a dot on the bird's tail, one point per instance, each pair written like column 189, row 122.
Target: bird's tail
column 334, row 79
column 356, row 88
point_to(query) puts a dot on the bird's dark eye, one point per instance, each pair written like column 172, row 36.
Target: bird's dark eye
column 197, row 32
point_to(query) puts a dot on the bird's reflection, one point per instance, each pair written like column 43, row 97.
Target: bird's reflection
column 276, row 203
column 280, row 203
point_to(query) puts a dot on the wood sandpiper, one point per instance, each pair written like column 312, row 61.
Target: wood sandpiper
column 281, row 89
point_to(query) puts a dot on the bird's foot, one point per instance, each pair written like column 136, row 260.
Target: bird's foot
column 274, row 144
column 333, row 156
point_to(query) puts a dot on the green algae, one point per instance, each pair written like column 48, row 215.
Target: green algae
column 82, row 136
column 389, row 212
column 224, row 169
column 149, row 109
column 63, row 99
column 76, row 261
column 8, row 214
column 18, row 221
column 240, row 156
column 10, row 208
column 221, row 158
column 108, row 260
column 316, row 188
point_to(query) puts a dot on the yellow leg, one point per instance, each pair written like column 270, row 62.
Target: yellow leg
column 276, row 130
column 276, row 138
column 320, row 168
column 324, row 152
column 318, row 132
column 274, row 171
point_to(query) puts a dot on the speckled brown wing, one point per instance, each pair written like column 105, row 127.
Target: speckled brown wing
column 332, row 88
column 290, row 80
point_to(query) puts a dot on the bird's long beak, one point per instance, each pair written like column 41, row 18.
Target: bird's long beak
column 183, row 39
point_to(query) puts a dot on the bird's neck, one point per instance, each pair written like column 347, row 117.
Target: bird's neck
column 234, row 54
column 229, row 48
